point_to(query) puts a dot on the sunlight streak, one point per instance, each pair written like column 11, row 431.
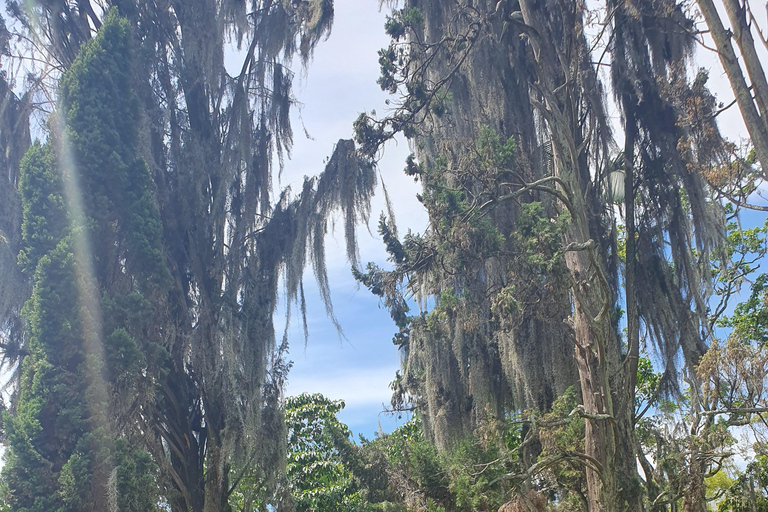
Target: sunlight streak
column 90, row 308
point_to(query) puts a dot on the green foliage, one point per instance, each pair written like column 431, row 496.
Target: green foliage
column 448, row 299
column 750, row 318
column 415, row 461
column 318, row 451
column 100, row 111
column 473, row 472
column 717, row 485
column 563, row 434
column 124, row 358
column 411, row 167
column 466, row 478
column 44, row 214
column 749, row 492
column 394, row 59
column 505, row 305
column 394, row 247
column 426, row 468
column 136, row 475
column 447, row 202
column 29, row 480
column 568, row 436
column 380, row 283
column 368, row 134
column 446, row 307
column 401, row 20
column 745, row 248
column 540, row 239
column 493, row 152
column 323, row 468
column 441, row 102
column 647, row 384
column 462, row 236
column 54, row 450
column 75, row 483
column 61, row 453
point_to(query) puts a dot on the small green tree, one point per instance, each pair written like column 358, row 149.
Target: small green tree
column 319, row 447
column 749, row 492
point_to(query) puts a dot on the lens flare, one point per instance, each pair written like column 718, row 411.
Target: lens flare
column 90, row 308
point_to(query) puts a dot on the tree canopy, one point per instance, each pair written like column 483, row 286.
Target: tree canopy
column 567, row 324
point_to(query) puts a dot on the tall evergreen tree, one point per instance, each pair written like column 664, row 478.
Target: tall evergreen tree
column 64, row 447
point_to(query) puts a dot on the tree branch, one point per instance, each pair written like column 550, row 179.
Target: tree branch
column 536, row 185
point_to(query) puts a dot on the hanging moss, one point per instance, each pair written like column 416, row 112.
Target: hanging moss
column 472, row 261
column 524, row 231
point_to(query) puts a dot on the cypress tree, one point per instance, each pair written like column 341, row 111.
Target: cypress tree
column 67, row 450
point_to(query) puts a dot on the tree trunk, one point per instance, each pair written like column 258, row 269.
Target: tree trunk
column 756, row 126
column 599, row 441
column 694, row 494
column 737, row 14
column 596, row 356
column 596, row 349
column 216, row 479
column 752, row 497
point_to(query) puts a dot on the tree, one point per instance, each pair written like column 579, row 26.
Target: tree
column 319, row 458
column 751, row 98
column 749, row 493
column 318, row 444
column 174, row 159
column 530, row 70
column 151, row 307
column 64, row 451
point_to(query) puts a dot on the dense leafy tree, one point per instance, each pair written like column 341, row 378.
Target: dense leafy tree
column 318, row 442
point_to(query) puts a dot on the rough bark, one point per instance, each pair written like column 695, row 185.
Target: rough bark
column 695, row 491
column 596, row 347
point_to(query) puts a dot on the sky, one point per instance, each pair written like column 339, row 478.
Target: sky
column 338, row 85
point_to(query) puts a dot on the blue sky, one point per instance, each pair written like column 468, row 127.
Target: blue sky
column 340, row 84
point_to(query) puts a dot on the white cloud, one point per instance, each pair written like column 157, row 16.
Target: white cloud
column 358, row 387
